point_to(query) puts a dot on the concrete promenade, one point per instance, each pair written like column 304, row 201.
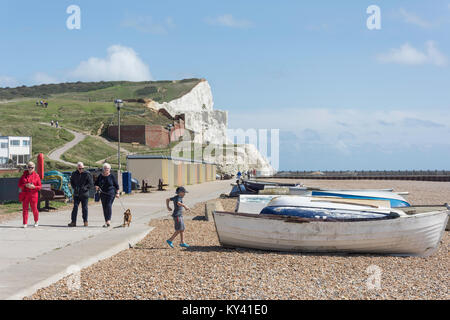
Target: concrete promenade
column 33, row 258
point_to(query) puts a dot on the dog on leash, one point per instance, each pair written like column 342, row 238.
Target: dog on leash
column 127, row 217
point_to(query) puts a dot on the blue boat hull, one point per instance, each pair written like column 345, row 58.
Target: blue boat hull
column 395, row 203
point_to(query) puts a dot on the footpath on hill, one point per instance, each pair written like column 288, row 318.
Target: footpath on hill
column 56, row 154
column 34, row 258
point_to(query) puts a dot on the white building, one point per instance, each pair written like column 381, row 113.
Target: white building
column 18, row 149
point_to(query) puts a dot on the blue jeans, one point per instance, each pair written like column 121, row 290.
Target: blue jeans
column 107, row 202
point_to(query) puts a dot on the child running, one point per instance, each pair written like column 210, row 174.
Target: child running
column 178, row 216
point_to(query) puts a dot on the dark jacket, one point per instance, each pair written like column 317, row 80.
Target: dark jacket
column 108, row 184
column 81, row 183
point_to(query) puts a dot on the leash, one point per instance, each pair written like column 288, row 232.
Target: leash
column 120, row 200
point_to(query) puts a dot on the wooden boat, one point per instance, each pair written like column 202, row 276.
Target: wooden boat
column 395, row 199
column 256, row 203
column 272, row 188
column 416, row 232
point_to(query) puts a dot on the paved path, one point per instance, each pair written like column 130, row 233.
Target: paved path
column 56, row 154
column 34, row 258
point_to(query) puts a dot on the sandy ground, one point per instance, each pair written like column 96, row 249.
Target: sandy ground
column 152, row 270
column 421, row 192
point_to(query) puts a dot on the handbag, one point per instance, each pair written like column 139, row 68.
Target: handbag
column 97, row 196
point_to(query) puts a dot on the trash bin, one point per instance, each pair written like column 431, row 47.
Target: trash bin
column 126, row 181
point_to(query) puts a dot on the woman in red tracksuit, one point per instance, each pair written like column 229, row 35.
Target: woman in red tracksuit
column 30, row 184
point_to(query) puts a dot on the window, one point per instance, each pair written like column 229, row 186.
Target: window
column 3, row 160
column 21, row 159
column 14, row 142
column 14, row 158
column 25, row 143
column 4, row 145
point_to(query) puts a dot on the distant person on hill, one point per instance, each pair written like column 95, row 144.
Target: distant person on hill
column 107, row 184
column 81, row 182
column 30, row 184
column 52, row 123
column 177, row 215
column 57, row 124
column 239, row 175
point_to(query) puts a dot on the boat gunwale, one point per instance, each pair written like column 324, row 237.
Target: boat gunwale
column 308, row 220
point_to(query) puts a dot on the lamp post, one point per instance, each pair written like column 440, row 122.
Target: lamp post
column 118, row 104
column 169, row 127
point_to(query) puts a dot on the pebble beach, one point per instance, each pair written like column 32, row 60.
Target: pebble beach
column 153, row 270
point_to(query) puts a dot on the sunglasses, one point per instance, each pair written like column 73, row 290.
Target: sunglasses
column 30, row 167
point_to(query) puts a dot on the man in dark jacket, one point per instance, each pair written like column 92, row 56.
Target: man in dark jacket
column 81, row 181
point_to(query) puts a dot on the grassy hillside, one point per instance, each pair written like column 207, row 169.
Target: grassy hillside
column 89, row 151
column 45, row 138
column 89, row 117
column 162, row 91
column 86, row 107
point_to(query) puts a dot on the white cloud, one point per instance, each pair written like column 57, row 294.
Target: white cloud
column 43, row 78
column 227, row 20
column 121, row 63
column 388, row 128
column 412, row 18
column 407, row 54
column 147, row 24
column 435, row 56
column 6, row 81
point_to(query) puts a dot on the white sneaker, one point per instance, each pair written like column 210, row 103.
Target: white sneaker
column 36, row 224
column 24, row 226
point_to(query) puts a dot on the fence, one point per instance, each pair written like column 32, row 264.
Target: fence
column 417, row 175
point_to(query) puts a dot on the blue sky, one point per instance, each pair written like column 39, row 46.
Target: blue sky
column 343, row 96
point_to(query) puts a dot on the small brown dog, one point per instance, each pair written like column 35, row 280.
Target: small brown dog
column 127, row 218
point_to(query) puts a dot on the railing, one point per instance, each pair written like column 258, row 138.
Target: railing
column 418, row 175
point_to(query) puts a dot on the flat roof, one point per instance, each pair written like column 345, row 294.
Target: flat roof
column 15, row 137
column 143, row 156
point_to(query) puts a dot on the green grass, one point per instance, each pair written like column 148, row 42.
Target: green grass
column 15, row 206
column 165, row 91
column 90, row 111
column 89, row 151
column 79, row 115
column 51, row 165
column 44, row 138
column 104, row 91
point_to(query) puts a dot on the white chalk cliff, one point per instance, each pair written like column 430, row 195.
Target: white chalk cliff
column 210, row 127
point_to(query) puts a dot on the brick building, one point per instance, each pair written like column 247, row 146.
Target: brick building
column 154, row 136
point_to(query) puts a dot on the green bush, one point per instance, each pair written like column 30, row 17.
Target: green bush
column 146, row 91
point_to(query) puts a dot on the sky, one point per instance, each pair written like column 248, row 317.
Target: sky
column 344, row 97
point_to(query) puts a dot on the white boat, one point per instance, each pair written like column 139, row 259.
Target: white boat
column 396, row 200
column 250, row 203
column 416, row 232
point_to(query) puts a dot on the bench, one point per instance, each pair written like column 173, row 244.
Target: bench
column 146, row 186
column 161, row 185
column 47, row 194
column 135, row 144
